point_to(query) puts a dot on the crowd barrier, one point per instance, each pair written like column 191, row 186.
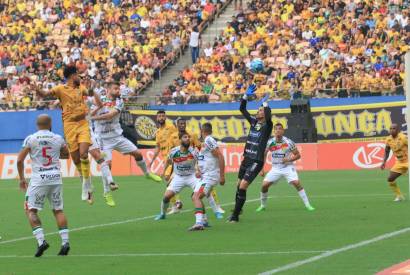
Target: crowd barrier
column 320, row 156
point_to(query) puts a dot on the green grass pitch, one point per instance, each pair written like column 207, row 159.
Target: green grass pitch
column 351, row 206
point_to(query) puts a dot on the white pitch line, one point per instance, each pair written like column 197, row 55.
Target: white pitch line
column 183, row 254
column 336, row 251
column 183, row 211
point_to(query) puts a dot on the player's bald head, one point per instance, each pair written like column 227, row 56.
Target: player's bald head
column 44, row 122
column 394, row 129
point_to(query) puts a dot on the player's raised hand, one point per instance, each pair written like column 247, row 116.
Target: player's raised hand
column 23, row 185
column 251, row 90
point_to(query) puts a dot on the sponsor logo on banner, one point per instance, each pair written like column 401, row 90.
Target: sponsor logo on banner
column 146, row 127
column 370, row 155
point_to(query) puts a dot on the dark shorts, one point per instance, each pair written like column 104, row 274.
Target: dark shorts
column 249, row 169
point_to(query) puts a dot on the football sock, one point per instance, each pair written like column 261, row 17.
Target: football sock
column 141, row 164
column 303, row 196
column 106, row 172
column 85, row 168
column 64, row 235
column 174, row 200
column 164, row 206
column 395, row 188
column 240, row 201
column 212, row 203
column 199, row 214
column 39, row 234
column 215, row 196
column 264, row 198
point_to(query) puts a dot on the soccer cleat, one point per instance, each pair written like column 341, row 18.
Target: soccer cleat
column 219, row 215
column 399, row 198
column 109, row 200
column 40, row 250
column 114, row 186
column 174, row 210
column 153, row 177
column 64, row 250
column 160, row 217
column 196, row 227
column 261, row 208
column 220, row 210
column 179, row 205
column 233, row 219
column 310, row 208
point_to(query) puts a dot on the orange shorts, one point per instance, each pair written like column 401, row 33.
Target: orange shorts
column 76, row 133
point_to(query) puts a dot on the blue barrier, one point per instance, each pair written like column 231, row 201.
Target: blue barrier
column 18, row 125
column 282, row 104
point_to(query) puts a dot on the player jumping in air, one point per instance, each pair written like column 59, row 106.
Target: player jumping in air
column 45, row 149
column 107, row 179
column 184, row 159
column 284, row 153
column 76, row 126
column 211, row 165
column 109, row 131
column 396, row 142
column 260, row 130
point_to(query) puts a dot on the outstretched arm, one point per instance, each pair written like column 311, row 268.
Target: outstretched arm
column 386, row 157
column 20, row 167
column 250, row 91
column 106, row 116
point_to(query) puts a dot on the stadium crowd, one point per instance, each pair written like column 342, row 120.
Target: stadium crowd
column 129, row 41
column 309, row 48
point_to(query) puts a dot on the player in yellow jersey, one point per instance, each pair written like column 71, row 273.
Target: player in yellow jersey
column 195, row 142
column 76, row 128
column 396, row 142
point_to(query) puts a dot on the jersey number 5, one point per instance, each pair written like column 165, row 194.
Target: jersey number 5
column 47, row 158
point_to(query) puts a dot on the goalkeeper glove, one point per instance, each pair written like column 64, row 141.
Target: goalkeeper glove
column 250, row 91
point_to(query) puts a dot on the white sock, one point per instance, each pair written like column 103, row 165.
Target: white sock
column 164, row 207
column 63, row 235
column 199, row 216
column 106, row 185
column 106, row 172
column 212, row 203
column 141, row 164
column 264, row 198
column 204, row 218
column 303, row 196
column 39, row 234
column 87, row 184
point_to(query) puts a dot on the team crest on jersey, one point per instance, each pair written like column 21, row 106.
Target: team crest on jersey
column 146, row 127
column 258, row 126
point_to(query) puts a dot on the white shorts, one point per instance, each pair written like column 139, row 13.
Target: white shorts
column 36, row 196
column 205, row 185
column 95, row 142
column 288, row 172
column 179, row 182
column 120, row 144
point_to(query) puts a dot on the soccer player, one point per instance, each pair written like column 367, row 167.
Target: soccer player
column 396, row 142
column 284, row 153
column 184, row 159
column 94, row 150
column 45, row 149
column 76, row 126
column 260, row 130
column 211, row 165
column 109, row 131
column 195, row 142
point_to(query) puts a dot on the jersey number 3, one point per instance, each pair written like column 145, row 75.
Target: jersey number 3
column 47, row 158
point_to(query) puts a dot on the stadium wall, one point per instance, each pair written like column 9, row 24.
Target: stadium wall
column 325, row 156
column 335, row 119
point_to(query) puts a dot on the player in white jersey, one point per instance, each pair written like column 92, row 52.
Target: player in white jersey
column 45, row 149
column 211, row 164
column 94, row 150
column 284, row 153
column 184, row 160
column 109, row 131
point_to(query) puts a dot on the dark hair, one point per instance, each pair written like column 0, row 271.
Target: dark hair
column 182, row 134
column 69, row 71
column 279, row 124
column 207, row 127
column 113, row 83
column 180, row 119
column 161, row 111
